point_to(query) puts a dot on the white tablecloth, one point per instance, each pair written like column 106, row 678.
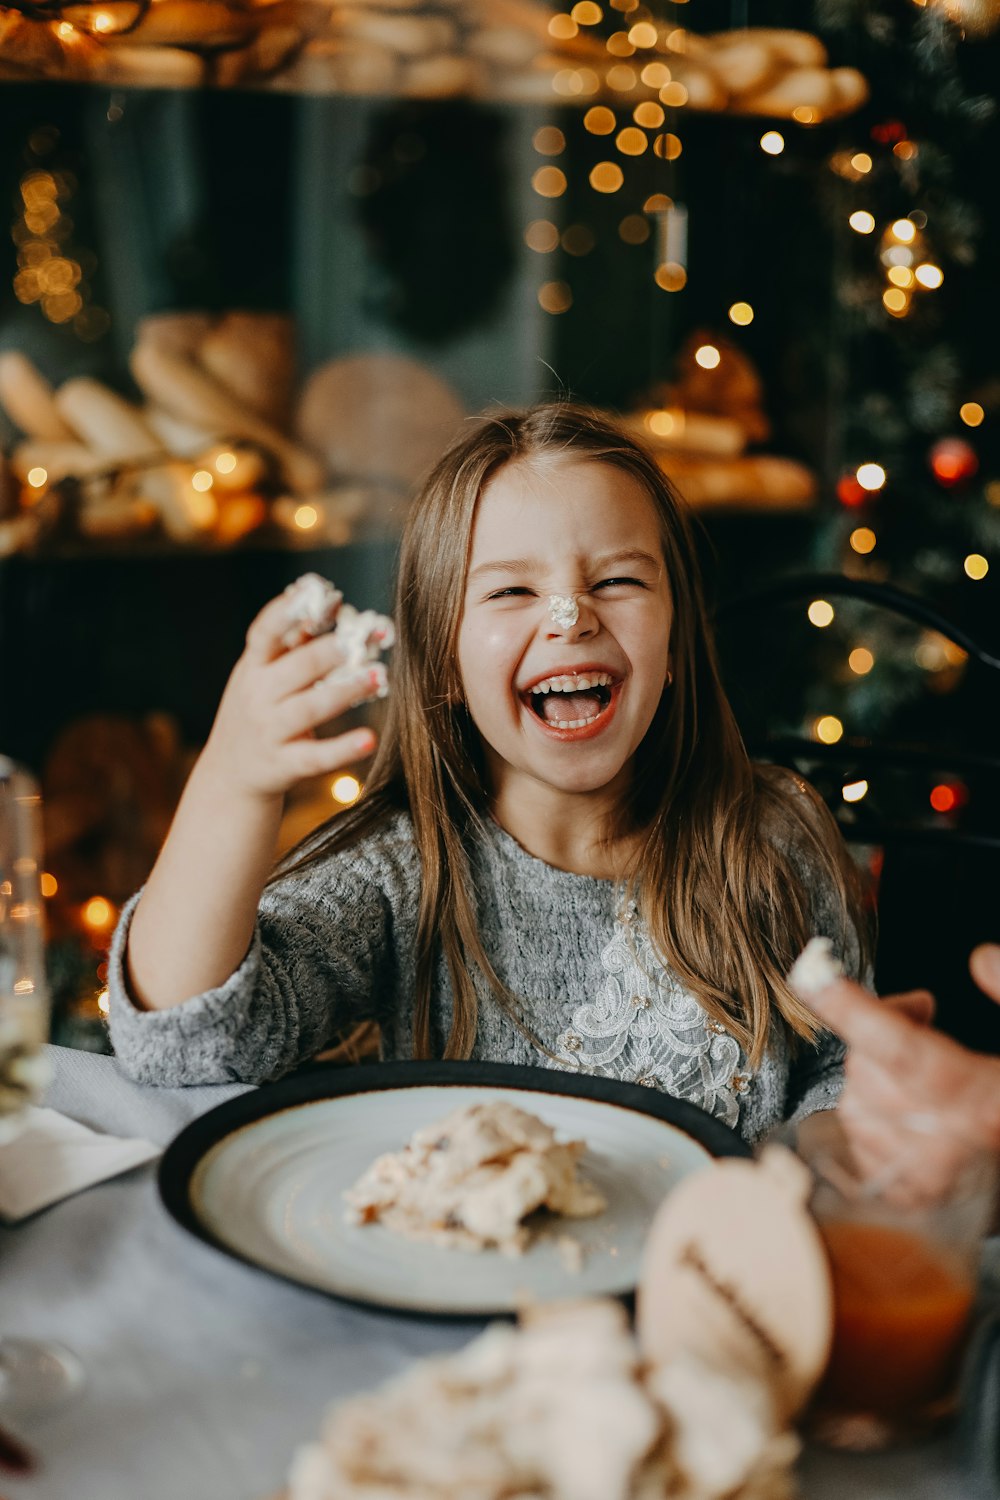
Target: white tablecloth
column 202, row 1374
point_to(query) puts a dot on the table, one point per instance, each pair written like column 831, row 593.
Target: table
column 202, row 1374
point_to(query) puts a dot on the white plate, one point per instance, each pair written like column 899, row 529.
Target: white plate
column 270, row 1190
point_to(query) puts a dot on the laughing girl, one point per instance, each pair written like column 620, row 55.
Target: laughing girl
column 563, row 855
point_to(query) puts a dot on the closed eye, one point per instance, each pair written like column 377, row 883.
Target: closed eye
column 511, row 593
column 615, row 583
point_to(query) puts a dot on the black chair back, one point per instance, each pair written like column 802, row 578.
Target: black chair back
column 935, row 873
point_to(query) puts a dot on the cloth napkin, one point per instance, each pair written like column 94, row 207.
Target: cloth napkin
column 53, row 1157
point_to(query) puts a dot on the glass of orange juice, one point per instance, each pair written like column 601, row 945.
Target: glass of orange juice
column 903, row 1237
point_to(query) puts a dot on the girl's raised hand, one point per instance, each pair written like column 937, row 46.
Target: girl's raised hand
column 264, row 741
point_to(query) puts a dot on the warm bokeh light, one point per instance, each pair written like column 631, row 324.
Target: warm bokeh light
column 549, row 182
column 599, row 120
column 805, row 114
column 549, row 141
column 861, row 661
column 568, row 82
column 665, row 423
column 621, row 78
column 541, row 236
column 657, row 203
column 619, row 45
column 861, row 162
column 674, row 95
column 305, row 517
column 944, row 797
column 104, row 1003
column 98, row 914
column 773, row 142
column 631, row 141
column 606, row 177
column 828, row 729
column 741, row 313
column 976, row 566
column 670, row 277
column 708, row 357
column 971, row 413
column 900, row 276
column 853, row 791
column 655, row 75
column 668, row 146
column 895, row 301
column 225, row 462
column 634, row 229
column 586, row 13
column 648, row 114
column 850, row 492
column 202, row 480
column 863, row 540
column 643, row 34
column 871, row 476
column 953, row 461
column 861, row 221
column 904, row 230
column 48, row 884
column 37, row 477
column 935, row 653
column 929, row 276
column 345, row 789
column 821, row 613
column 563, row 27
column 555, row 297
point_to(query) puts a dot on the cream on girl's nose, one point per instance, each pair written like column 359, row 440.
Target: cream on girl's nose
column 564, row 610
column 570, row 615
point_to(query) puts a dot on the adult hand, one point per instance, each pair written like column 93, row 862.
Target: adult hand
column 899, row 1068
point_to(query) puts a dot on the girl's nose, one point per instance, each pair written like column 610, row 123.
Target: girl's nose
column 560, row 623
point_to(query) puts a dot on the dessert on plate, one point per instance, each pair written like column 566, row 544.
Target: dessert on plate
column 471, row 1180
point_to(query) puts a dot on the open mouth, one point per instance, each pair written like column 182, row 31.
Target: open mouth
column 572, row 700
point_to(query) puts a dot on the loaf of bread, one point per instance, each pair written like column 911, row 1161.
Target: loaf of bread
column 29, row 401
column 185, row 389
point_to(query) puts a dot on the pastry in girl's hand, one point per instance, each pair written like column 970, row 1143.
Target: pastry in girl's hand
column 315, row 607
column 470, row 1180
column 311, row 604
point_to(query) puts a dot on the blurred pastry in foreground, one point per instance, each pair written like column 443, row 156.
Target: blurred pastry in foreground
column 561, row 1407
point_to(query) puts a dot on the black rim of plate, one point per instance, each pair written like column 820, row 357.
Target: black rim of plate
column 330, row 1081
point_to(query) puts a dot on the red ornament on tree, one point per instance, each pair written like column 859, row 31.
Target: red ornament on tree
column 889, row 132
column 850, row 492
column 953, row 461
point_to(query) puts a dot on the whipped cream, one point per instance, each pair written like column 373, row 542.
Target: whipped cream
column 314, row 607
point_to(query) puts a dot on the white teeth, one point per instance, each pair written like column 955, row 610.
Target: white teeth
column 574, row 684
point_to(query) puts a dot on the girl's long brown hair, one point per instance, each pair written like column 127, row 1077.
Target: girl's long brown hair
column 722, row 897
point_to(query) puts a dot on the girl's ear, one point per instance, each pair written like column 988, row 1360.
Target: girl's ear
column 669, row 677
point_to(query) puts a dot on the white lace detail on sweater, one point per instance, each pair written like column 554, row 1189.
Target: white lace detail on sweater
column 644, row 1028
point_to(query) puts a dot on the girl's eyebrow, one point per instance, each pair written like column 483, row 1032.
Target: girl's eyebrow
column 522, row 565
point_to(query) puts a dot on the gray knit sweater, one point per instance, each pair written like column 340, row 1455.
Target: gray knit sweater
column 335, row 944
